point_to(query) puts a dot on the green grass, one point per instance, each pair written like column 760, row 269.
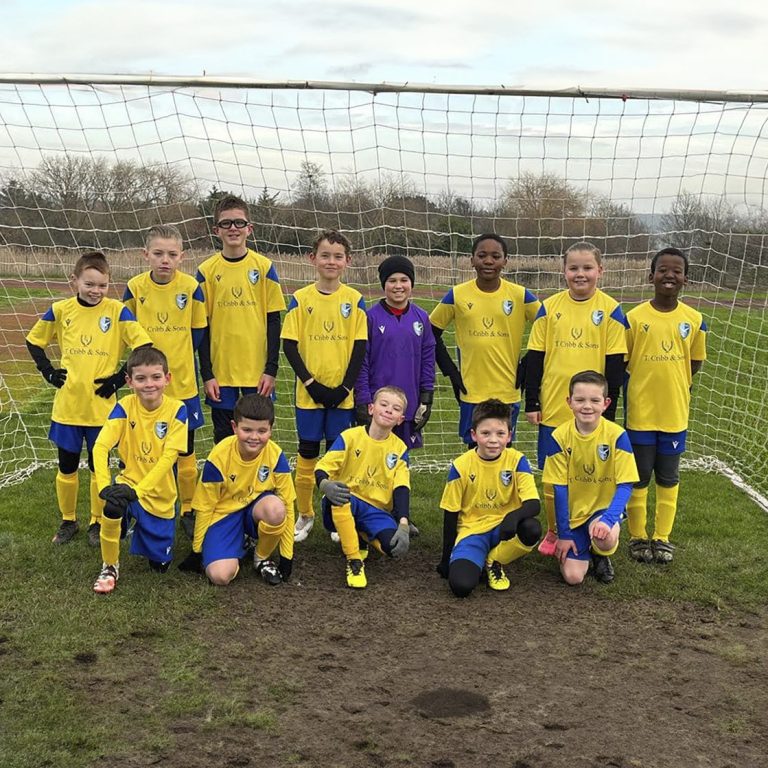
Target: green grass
column 51, row 623
column 11, row 296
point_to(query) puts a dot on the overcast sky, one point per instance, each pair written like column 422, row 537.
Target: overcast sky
column 701, row 44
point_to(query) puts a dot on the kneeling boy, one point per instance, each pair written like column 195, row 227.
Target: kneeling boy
column 366, row 485
column 245, row 489
column 150, row 430
column 592, row 471
column 489, row 505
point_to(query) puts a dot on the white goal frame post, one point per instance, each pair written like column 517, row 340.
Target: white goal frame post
column 416, row 169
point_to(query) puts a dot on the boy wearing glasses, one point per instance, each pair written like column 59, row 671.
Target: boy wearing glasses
column 243, row 300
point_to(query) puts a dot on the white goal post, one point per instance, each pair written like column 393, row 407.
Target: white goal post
column 419, row 170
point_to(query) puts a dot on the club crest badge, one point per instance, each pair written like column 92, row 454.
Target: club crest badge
column 263, row 473
column 391, row 460
column 506, row 477
column 105, row 323
column 685, row 330
column 597, row 316
column 346, row 309
column 161, row 429
column 418, row 327
column 181, row 300
column 603, row 451
column 253, row 276
column 507, row 306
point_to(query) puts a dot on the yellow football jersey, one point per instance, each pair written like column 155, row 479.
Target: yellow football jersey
column 591, row 466
column 660, row 347
column 169, row 313
column 489, row 336
column 575, row 336
column 372, row 469
column 238, row 296
column 228, row 483
column 148, row 444
column 91, row 341
column 326, row 327
column 483, row 491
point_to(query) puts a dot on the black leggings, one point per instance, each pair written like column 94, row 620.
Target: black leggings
column 69, row 462
column 650, row 461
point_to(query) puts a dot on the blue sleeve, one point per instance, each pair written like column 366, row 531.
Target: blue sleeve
column 542, row 312
column 49, row 317
column 181, row 414
column 529, row 297
column 126, row 315
column 197, row 336
column 448, row 298
column 272, row 274
column 618, row 504
column 127, row 295
column 561, row 513
column 118, row 412
column 401, row 502
column 211, row 473
column 453, row 474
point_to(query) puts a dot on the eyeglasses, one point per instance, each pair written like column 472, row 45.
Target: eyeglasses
column 229, row 223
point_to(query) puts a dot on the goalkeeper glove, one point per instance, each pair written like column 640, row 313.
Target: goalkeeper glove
column 362, row 417
column 338, row 396
column 319, row 393
column 55, row 376
column 335, row 491
column 400, row 541
column 424, row 411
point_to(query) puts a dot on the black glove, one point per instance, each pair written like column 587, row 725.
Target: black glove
column 338, row 396
column 442, row 569
column 320, row 393
column 192, row 563
column 335, row 491
column 119, row 494
column 457, row 383
column 424, row 411
column 362, row 417
column 55, row 376
column 109, row 384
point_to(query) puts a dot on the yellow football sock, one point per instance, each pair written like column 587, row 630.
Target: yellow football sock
column 508, row 551
column 305, row 485
column 549, row 506
column 110, row 540
column 67, row 487
column 186, row 469
column 666, row 509
column 97, row 504
column 286, row 538
column 637, row 513
column 345, row 527
column 269, row 538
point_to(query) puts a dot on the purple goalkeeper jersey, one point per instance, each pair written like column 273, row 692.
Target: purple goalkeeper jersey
column 400, row 351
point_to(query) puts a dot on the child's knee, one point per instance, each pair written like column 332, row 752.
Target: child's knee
column 221, row 574
column 271, row 510
column 463, row 577
column 573, row 572
column 529, row 531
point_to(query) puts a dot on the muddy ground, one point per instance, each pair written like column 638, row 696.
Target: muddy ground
column 403, row 674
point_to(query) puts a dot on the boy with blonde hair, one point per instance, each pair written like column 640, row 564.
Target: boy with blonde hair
column 365, row 482
column 324, row 338
column 170, row 306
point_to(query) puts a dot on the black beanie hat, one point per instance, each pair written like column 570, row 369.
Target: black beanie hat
column 393, row 264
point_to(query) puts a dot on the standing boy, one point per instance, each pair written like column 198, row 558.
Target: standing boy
column 666, row 345
column 591, row 469
column 576, row 329
column 365, row 482
column 170, row 306
column 400, row 351
column 324, row 339
column 149, row 430
column 92, row 332
column 243, row 300
column 245, row 489
column 490, row 315
column 489, row 506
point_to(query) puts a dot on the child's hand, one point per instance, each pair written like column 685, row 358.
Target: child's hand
column 457, row 383
column 335, row 491
column 400, row 541
column 212, row 390
column 362, row 417
column 56, row 376
column 600, row 531
column 266, row 384
column 533, row 417
column 563, row 547
column 424, row 411
column 108, row 385
column 337, row 396
column 319, row 393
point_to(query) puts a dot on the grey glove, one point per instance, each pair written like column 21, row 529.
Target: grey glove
column 335, row 491
column 401, row 541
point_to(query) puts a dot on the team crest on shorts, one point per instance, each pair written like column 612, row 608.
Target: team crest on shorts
column 263, row 473
column 507, row 306
column 181, row 300
column 603, row 451
column 391, row 460
column 161, row 429
column 685, row 330
column 418, row 327
column 346, row 309
column 253, row 276
column 105, row 323
column 506, row 477
column 597, row 316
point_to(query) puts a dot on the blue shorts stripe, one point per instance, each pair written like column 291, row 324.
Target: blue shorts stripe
column 70, row 438
column 667, row 443
column 316, row 424
column 476, row 547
